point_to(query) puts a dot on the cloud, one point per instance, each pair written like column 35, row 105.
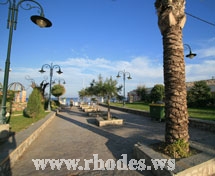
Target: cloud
column 207, row 49
column 206, row 52
column 200, row 71
column 79, row 72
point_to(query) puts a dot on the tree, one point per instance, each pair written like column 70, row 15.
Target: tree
column 10, row 97
column 58, row 90
column 35, row 104
column 171, row 20
column 43, row 86
column 157, row 93
column 199, row 95
column 142, row 93
column 82, row 93
column 107, row 89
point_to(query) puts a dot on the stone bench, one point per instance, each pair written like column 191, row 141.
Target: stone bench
column 102, row 122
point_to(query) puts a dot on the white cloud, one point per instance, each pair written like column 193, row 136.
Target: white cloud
column 202, row 66
column 206, row 52
column 79, row 72
column 200, row 71
column 207, row 48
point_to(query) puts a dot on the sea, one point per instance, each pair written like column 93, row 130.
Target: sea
column 66, row 101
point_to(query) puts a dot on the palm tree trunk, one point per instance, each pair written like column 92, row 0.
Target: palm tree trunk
column 171, row 20
column 175, row 87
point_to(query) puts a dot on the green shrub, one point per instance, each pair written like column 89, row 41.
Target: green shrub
column 178, row 149
column 157, row 93
column 35, row 104
column 58, row 90
column 199, row 95
column 55, row 104
column 26, row 112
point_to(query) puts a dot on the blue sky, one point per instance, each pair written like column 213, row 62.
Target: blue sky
column 92, row 37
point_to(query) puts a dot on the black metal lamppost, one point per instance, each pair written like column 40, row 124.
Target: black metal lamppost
column 124, row 75
column 40, row 20
column 51, row 67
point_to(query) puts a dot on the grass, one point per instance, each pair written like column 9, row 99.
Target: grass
column 18, row 122
column 136, row 105
column 200, row 113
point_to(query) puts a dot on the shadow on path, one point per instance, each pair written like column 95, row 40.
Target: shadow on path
column 116, row 144
column 5, row 160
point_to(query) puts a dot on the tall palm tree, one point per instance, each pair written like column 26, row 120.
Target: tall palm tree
column 171, row 20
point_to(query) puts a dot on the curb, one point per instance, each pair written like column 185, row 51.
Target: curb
column 202, row 163
column 10, row 160
column 205, row 125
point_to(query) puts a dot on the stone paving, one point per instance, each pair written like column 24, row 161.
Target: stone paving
column 74, row 135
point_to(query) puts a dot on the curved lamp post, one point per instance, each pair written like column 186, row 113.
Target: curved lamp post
column 124, row 75
column 40, row 20
column 59, row 81
column 191, row 54
column 51, row 67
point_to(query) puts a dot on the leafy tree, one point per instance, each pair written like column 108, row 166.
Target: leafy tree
column 171, row 20
column 58, row 90
column 157, row 93
column 199, row 95
column 107, row 89
column 110, row 90
column 9, row 102
column 82, row 93
column 35, row 104
column 41, row 88
column 142, row 93
column 10, row 96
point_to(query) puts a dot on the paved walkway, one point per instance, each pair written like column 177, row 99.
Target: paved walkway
column 74, row 135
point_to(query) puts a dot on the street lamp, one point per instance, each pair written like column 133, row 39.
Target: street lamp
column 40, row 20
column 51, row 67
column 59, row 80
column 129, row 77
column 191, row 54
